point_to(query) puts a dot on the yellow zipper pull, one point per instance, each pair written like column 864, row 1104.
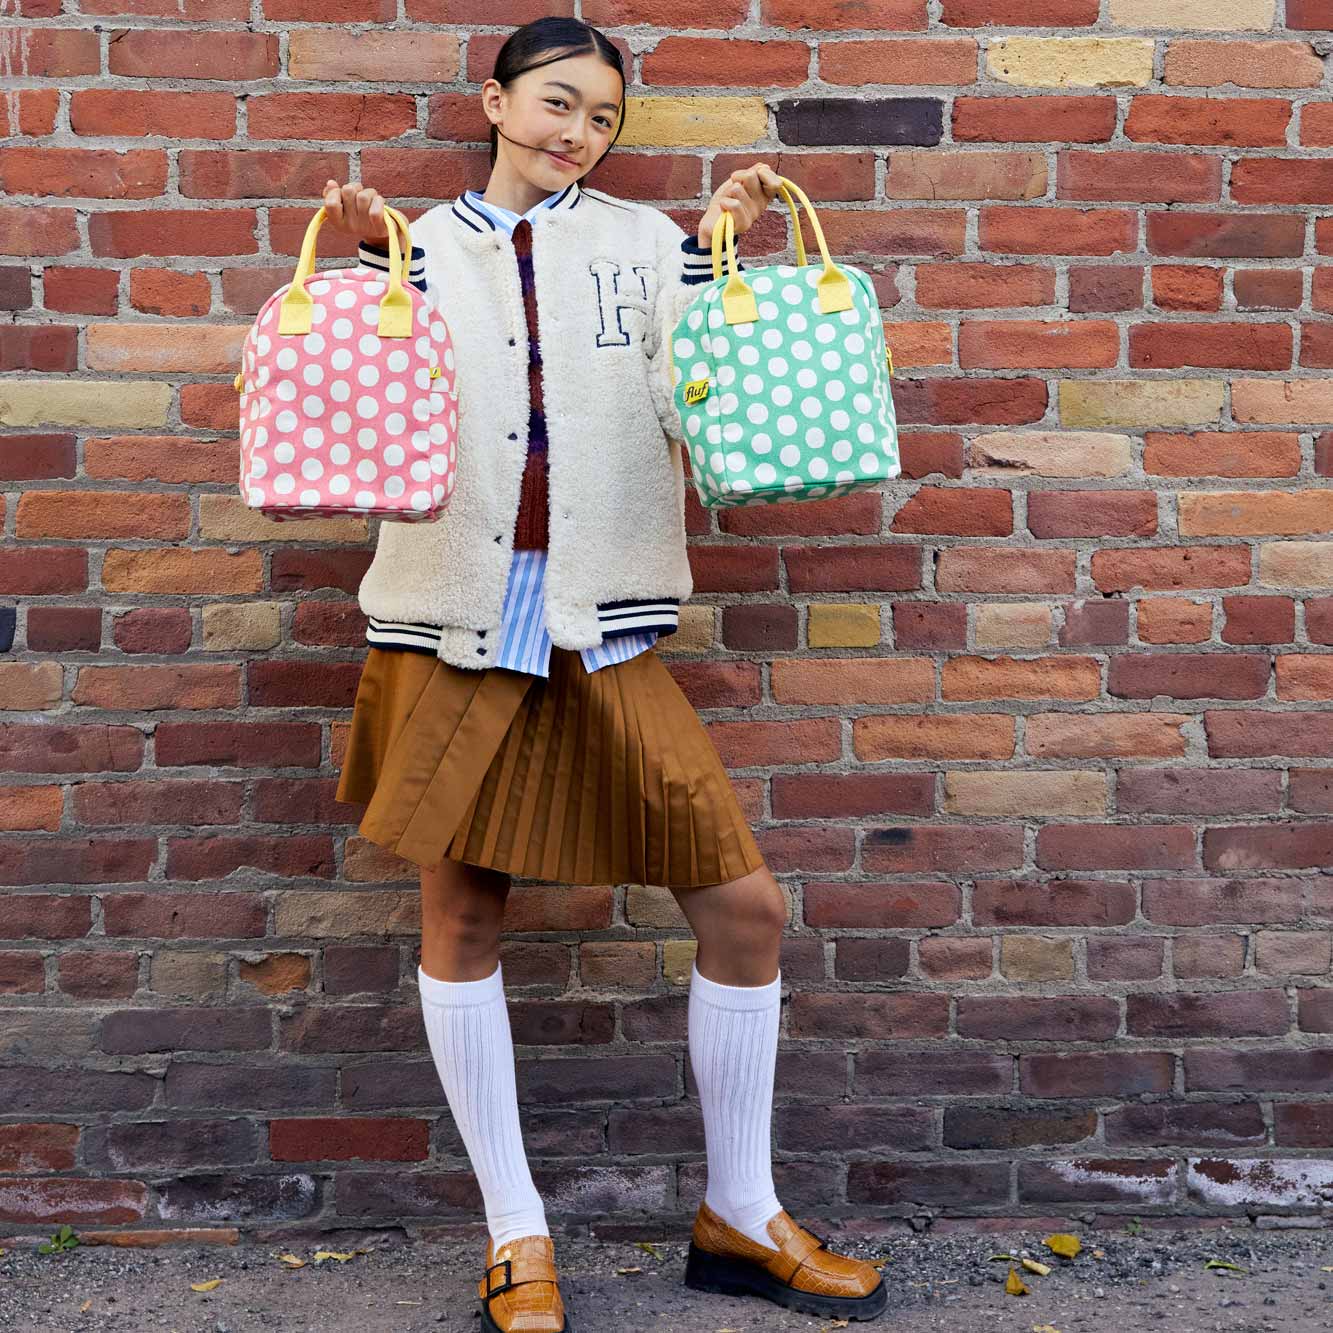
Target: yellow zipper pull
column 238, row 383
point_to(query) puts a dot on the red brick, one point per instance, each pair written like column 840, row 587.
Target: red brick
column 155, row 53
column 138, row 173
column 192, row 115
column 82, row 291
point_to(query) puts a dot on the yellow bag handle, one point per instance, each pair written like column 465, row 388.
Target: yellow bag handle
column 296, row 311
column 738, row 303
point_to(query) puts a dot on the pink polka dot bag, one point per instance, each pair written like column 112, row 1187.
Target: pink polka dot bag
column 348, row 402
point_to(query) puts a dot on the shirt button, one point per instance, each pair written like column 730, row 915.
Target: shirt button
column 511, row 342
column 513, row 435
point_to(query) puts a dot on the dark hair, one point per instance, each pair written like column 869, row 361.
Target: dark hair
column 556, row 38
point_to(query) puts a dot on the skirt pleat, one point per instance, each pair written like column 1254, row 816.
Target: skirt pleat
column 580, row 777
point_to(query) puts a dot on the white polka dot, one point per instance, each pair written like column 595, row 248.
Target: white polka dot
column 338, row 484
column 790, row 455
column 367, row 438
column 286, row 358
column 367, row 407
column 263, row 343
column 394, row 455
column 340, row 391
column 365, row 499
column 370, row 314
column 395, row 392
column 286, row 391
column 394, row 487
column 283, row 483
column 395, row 423
column 312, row 406
column 313, row 373
column 368, row 375
column 342, row 328
column 341, row 358
column 258, row 466
column 345, row 300
column 313, row 343
column 312, row 437
column 339, row 454
column 369, row 344
column 285, row 421
column 366, row 470
column 397, row 361
column 340, row 423
column 312, row 469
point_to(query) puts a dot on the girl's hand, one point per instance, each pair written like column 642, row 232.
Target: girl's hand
column 744, row 194
column 357, row 209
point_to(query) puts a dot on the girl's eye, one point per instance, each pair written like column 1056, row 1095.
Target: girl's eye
column 560, row 101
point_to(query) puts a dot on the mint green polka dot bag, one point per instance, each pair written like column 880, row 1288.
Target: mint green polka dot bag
column 781, row 382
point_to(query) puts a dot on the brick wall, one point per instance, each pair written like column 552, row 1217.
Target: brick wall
column 1038, row 739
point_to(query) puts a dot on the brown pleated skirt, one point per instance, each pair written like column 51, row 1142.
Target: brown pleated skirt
column 601, row 777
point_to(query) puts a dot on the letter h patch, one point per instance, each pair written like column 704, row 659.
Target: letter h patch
column 617, row 296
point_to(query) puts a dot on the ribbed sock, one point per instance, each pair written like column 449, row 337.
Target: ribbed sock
column 467, row 1023
column 733, row 1042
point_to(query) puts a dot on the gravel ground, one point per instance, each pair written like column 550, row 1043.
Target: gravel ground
column 937, row 1281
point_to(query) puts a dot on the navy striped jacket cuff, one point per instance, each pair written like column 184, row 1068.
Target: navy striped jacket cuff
column 699, row 262
column 373, row 255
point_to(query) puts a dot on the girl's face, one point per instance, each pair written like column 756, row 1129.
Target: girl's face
column 569, row 108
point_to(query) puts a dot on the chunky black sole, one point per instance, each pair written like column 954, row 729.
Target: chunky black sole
column 705, row 1271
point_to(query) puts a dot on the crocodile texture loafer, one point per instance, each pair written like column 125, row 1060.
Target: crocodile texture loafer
column 518, row 1290
column 799, row 1271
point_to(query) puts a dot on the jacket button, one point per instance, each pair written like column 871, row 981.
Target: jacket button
column 511, row 342
column 513, row 435
column 481, row 652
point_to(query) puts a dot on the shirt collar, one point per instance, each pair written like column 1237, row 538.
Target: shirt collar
column 477, row 215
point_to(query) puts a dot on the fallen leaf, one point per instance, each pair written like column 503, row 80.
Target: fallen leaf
column 1044, row 1328
column 879, row 1263
column 206, row 1286
column 1014, row 1285
column 85, row 1306
column 1008, row 1258
column 1065, row 1245
column 1034, row 1267
column 629, row 1270
column 1222, row 1263
column 409, row 1302
column 1099, row 1254
column 341, row 1255
column 650, row 1249
column 292, row 1261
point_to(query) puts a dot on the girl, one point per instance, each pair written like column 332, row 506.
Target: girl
column 513, row 716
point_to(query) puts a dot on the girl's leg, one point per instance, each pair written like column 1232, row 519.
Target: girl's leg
column 734, row 1007
column 467, row 1023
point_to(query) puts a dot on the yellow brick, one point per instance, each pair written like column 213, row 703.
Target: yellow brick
column 1036, row 957
column 195, row 348
column 342, row 914
column 1071, row 62
column 227, row 518
column 116, row 403
column 677, row 959
column 1013, row 625
column 188, row 972
column 233, row 626
column 653, row 907
column 843, row 625
column 695, row 633
column 1053, row 453
column 1097, row 403
column 1018, row 794
column 209, row 571
column 1219, row 15
column 1296, row 564
column 688, row 122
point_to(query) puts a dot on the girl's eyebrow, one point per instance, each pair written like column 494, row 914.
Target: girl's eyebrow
column 576, row 95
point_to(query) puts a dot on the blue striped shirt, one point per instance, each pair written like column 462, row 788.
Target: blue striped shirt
column 525, row 643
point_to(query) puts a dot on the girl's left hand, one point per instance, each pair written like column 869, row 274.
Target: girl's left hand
column 744, row 194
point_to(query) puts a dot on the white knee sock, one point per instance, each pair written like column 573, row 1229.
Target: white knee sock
column 733, row 1041
column 467, row 1023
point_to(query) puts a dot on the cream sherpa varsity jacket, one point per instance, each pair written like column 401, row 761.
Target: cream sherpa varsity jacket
column 608, row 279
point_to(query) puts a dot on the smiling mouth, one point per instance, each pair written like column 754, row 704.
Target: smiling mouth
column 560, row 157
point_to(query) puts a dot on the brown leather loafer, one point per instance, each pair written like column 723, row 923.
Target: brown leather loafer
column 518, row 1290
column 799, row 1272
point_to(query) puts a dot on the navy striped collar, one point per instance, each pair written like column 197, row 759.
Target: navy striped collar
column 476, row 220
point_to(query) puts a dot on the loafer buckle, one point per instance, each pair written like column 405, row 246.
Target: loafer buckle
column 507, row 1265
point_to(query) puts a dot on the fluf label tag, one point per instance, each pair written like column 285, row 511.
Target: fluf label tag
column 696, row 391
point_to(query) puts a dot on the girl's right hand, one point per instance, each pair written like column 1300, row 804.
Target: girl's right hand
column 356, row 209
